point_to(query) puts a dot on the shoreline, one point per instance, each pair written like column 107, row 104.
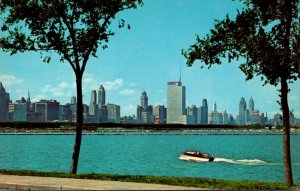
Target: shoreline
column 125, row 131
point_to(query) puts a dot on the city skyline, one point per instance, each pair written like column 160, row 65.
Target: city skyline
column 177, row 103
column 145, row 58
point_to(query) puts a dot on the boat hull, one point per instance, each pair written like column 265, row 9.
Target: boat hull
column 194, row 158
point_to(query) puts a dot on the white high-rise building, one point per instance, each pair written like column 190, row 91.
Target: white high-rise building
column 176, row 110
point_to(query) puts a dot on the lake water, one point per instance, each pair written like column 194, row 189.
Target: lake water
column 253, row 157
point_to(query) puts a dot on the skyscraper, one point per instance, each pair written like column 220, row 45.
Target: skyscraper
column 93, row 103
column 144, row 100
column 159, row 113
column 28, row 98
column 21, row 109
column 215, row 117
column 113, row 113
column 4, row 101
column 144, row 111
column 225, row 118
column 251, row 105
column 73, row 100
column 47, row 110
column 176, row 111
column 192, row 113
column 251, row 109
column 101, row 96
column 242, row 112
column 215, row 107
column 203, row 113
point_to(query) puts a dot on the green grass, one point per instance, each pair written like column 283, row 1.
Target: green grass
column 185, row 181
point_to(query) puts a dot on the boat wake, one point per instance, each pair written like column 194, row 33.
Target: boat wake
column 242, row 161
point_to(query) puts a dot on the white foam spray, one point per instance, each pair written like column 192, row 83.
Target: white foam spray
column 242, row 161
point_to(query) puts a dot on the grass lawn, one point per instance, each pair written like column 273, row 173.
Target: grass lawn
column 178, row 181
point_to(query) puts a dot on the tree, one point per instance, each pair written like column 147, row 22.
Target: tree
column 266, row 34
column 73, row 29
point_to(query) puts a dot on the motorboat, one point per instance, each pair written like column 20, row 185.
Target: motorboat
column 196, row 156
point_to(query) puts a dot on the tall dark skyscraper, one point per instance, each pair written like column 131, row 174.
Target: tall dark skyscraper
column 242, row 112
column 144, row 100
column 203, row 113
column 4, row 101
column 101, row 96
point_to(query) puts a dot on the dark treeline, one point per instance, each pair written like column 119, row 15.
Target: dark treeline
column 94, row 126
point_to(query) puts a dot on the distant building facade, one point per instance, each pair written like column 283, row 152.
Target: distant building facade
column 4, row 104
column 203, row 113
column 144, row 111
column 113, row 113
column 192, row 113
column 251, row 115
column 21, row 110
column 160, row 114
column 47, row 110
column 241, row 118
column 93, row 107
column 101, row 96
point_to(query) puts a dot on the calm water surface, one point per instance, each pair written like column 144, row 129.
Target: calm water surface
column 252, row 157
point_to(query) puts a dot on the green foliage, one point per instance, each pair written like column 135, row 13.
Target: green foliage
column 184, row 181
column 265, row 33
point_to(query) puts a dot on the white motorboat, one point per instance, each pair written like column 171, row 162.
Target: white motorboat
column 196, row 156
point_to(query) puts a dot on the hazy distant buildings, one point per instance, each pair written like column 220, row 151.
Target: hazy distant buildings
column 4, row 101
column 225, row 116
column 215, row 117
column 144, row 111
column 102, row 112
column 159, row 114
column 250, row 116
column 192, row 113
column 73, row 100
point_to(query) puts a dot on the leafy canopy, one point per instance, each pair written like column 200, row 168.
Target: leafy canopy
column 74, row 29
column 265, row 33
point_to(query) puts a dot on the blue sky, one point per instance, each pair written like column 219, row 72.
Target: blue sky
column 146, row 58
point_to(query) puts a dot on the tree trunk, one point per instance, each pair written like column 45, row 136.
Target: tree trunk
column 286, row 133
column 79, row 124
